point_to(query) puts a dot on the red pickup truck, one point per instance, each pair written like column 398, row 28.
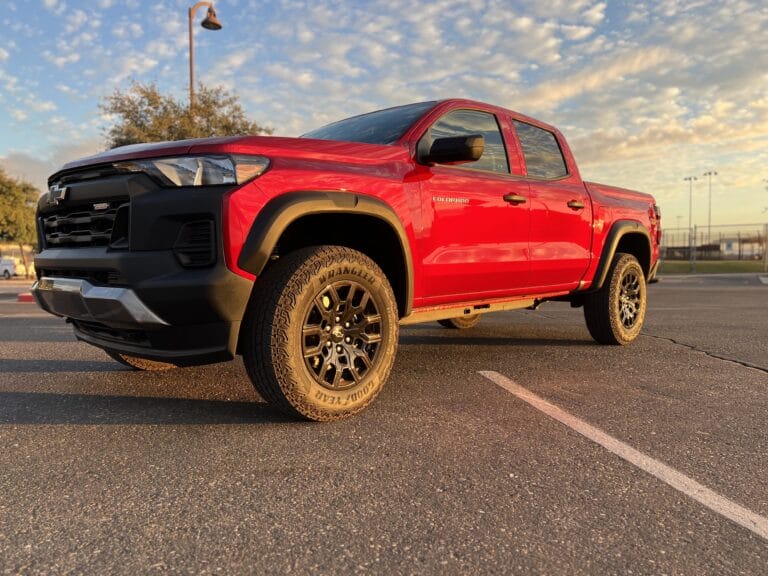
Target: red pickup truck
column 305, row 255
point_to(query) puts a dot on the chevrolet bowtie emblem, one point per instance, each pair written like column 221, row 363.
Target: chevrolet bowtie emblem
column 57, row 194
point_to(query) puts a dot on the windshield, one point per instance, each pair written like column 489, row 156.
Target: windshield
column 381, row 127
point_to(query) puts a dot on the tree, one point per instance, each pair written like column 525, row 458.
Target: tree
column 146, row 115
column 18, row 199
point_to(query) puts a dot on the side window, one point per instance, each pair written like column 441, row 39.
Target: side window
column 466, row 123
column 543, row 156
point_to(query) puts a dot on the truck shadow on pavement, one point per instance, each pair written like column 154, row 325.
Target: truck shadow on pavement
column 87, row 409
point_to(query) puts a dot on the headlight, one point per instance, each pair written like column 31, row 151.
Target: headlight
column 199, row 170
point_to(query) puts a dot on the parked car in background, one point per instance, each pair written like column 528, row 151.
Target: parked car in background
column 8, row 268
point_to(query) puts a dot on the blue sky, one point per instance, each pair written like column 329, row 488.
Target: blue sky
column 646, row 92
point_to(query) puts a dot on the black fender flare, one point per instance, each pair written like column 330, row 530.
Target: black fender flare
column 281, row 211
column 619, row 229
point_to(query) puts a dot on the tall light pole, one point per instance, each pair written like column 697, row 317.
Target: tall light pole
column 691, row 240
column 211, row 22
column 690, row 180
column 709, row 174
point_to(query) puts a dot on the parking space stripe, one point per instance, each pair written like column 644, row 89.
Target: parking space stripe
column 677, row 480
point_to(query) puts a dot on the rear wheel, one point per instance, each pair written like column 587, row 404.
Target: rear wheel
column 139, row 363
column 321, row 333
column 6, row 274
column 461, row 322
column 615, row 313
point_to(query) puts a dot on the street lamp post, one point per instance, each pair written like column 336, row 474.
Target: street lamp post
column 690, row 180
column 691, row 241
column 210, row 22
column 709, row 174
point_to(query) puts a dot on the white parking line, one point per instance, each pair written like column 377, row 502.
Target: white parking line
column 688, row 486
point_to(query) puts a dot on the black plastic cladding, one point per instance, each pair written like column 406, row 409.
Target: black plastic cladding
column 204, row 305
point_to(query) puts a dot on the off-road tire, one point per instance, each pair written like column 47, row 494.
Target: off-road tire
column 320, row 333
column 461, row 322
column 615, row 313
column 139, row 363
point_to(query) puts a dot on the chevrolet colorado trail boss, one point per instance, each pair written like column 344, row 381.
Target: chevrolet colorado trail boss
column 305, row 255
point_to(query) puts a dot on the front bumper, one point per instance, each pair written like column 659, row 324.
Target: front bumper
column 145, row 303
column 78, row 299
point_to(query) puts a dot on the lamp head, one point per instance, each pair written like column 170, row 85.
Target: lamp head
column 211, row 22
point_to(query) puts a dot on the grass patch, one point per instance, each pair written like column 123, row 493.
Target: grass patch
column 712, row 267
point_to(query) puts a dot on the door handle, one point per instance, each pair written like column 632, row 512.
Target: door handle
column 575, row 205
column 515, row 199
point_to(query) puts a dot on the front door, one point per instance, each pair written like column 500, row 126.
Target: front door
column 476, row 216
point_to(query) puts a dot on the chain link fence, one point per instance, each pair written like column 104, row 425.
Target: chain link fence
column 720, row 243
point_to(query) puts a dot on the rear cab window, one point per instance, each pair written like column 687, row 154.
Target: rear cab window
column 543, row 157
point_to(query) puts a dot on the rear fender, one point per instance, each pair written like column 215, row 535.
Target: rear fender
column 623, row 229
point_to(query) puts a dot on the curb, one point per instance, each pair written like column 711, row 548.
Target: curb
column 25, row 297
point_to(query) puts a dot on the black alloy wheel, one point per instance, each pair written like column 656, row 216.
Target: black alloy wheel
column 616, row 312
column 341, row 335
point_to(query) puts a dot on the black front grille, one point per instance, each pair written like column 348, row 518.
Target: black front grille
column 88, row 225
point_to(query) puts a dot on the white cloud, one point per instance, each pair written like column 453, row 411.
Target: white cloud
column 577, row 33
column 595, row 15
column 63, row 60
column 124, row 30
column 32, row 103
column 55, row 6
column 161, row 49
column 4, row 55
column 601, row 74
column 76, row 19
column 19, row 115
column 36, row 167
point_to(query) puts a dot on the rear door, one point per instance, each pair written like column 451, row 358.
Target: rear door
column 475, row 242
column 561, row 212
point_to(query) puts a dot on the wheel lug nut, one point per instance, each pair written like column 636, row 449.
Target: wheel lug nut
column 347, row 324
column 339, row 349
column 348, row 340
column 327, row 328
column 338, row 318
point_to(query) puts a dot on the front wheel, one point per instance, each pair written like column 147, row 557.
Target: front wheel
column 6, row 274
column 321, row 333
column 615, row 313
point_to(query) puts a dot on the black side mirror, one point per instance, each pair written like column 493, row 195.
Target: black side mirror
column 456, row 149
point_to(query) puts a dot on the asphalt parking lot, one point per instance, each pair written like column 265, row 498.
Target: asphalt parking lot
column 104, row 470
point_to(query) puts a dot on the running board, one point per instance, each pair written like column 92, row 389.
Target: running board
column 434, row 313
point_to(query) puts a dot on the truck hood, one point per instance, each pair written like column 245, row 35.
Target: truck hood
column 270, row 146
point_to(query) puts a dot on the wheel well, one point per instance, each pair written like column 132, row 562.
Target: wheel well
column 637, row 245
column 367, row 234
